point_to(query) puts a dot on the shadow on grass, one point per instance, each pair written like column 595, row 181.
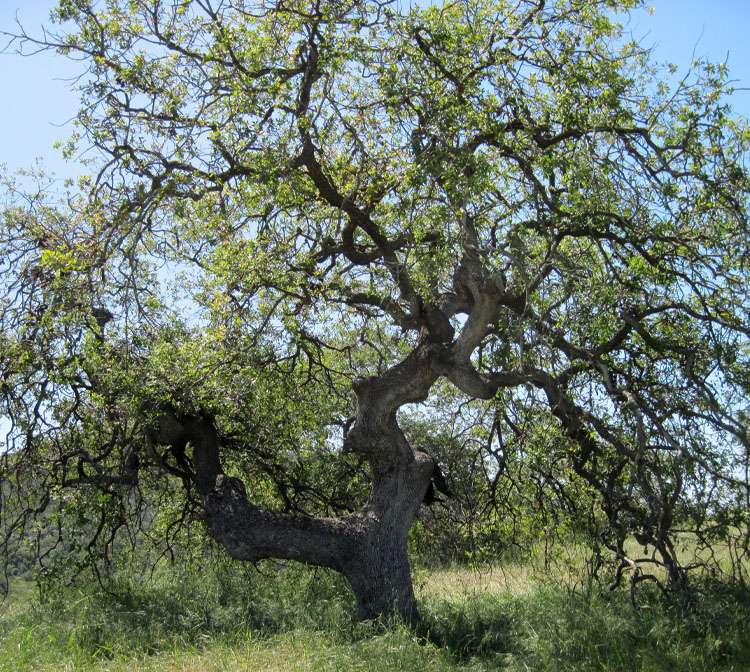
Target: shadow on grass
column 475, row 626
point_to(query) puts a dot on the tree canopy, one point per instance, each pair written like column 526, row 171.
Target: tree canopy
column 314, row 230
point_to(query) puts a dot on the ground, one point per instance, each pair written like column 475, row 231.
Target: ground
column 516, row 615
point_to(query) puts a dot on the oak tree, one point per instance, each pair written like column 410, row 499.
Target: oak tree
column 305, row 217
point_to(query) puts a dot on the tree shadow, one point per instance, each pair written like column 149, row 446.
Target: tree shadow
column 474, row 625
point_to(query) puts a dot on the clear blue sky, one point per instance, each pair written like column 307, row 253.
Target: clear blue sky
column 38, row 104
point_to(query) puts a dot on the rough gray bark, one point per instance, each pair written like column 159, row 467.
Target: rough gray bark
column 368, row 546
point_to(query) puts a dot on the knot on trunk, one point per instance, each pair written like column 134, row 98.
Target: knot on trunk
column 228, row 488
column 369, row 442
column 361, row 384
column 225, row 498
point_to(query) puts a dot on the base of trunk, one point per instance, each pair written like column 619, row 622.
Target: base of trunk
column 381, row 581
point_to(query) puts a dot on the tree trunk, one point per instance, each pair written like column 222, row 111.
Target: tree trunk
column 369, row 547
column 378, row 568
column 380, row 576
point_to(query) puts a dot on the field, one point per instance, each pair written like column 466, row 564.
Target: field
column 223, row 616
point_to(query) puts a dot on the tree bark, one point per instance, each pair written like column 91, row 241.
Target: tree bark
column 380, row 575
column 368, row 547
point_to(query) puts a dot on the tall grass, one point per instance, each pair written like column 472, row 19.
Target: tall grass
column 227, row 616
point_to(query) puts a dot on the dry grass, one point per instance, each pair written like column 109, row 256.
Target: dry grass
column 514, row 578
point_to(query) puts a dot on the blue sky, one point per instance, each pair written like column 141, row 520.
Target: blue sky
column 38, row 104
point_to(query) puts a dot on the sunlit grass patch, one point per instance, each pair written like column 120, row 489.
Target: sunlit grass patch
column 513, row 577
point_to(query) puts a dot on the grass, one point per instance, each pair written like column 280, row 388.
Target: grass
column 228, row 617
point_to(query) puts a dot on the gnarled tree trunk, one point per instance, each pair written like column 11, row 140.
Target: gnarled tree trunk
column 369, row 546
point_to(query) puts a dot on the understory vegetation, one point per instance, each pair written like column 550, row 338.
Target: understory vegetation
column 532, row 613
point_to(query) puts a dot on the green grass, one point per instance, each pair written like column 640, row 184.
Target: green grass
column 228, row 617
